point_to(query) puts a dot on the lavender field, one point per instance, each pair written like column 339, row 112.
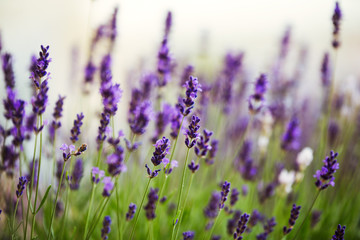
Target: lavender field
column 181, row 148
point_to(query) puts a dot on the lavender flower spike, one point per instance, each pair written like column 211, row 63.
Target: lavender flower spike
column 8, row 70
column 130, row 214
column 192, row 134
column 108, row 186
column 193, row 167
column 189, row 235
column 241, row 226
column 256, row 101
column 336, row 22
column 291, row 138
column 192, row 88
column 97, row 175
column 21, row 186
column 325, row 176
column 224, row 193
column 295, row 211
column 75, row 131
column 77, row 175
column 151, row 205
column 56, row 124
column 211, row 210
column 162, row 147
column 140, row 118
column 106, row 228
column 339, row 233
column 115, row 162
column 151, row 174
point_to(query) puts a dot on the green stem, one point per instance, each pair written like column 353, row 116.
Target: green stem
column 213, row 227
column 117, row 208
column 89, row 209
column 56, row 197
column 14, row 218
column 307, row 214
column 138, row 212
column 99, row 155
column 32, row 181
column 181, row 189
column 37, row 183
column 63, row 222
column 93, row 226
column 54, row 159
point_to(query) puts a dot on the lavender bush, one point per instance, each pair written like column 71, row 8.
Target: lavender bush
column 226, row 155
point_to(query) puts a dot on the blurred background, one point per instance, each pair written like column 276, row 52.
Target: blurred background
column 202, row 33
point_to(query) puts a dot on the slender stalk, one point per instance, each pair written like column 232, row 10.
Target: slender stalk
column 63, row 222
column 32, row 181
column 213, row 227
column 181, row 189
column 307, row 214
column 89, row 209
column 54, row 158
column 37, row 182
column 92, row 228
column 56, row 197
column 138, row 212
column 14, row 218
column 99, row 155
column 117, row 208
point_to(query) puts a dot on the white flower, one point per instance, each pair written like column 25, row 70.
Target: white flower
column 286, row 180
column 263, row 142
column 304, row 158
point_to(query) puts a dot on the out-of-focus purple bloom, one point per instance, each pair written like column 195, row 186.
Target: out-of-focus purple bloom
column 151, row 205
column 192, row 134
column 164, row 64
column 130, row 214
column 193, row 167
column 254, row 219
column 268, row 228
column 232, row 222
column 325, row 176
column 285, row 43
column 168, row 24
column 141, row 118
column 339, row 233
column 8, row 70
column 202, row 145
column 59, row 166
column 115, row 162
column 315, row 218
column 336, row 23
column 90, row 70
column 9, row 103
column 175, row 121
column 256, row 101
column 56, row 124
column 249, row 170
column 266, row 192
column 244, row 154
column 162, row 147
column 9, row 157
column 105, row 70
column 17, row 117
column 75, row 131
column 106, row 228
column 32, row 168
column 173, row 165
column 224, row 194
column 333, row 132
column 67, row 151
column 187, row 103
column 295, row 211
column 147, row 83
column 234, row 197
column 131, row 147
column 189, row 235
column 326, row 70
column 291, row 138
column 113, row 32
column 152, row 174
column 21, row 186
column 104, row 123
column 108, row 186
column 212, row 152
column 111, row 94
column 77, row 175
column 97, row 175
column 241, row 227
column 212, row 209
column 187, row 72
column 162, row 120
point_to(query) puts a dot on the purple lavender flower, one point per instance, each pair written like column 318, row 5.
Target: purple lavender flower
column 193, row 167
column 152, row 174
column 245, row 152
column 333, row 132
column 75, row 131
column 189, row 235
column 77, row 175
column 104, row 123
column 113, row 32
column 168, row 24
column 97, row 175
column 106, row 228
column 326, row 70
column 256, row 101
column 56, row 124
column 9, row 103
column 105, row 70
column 241, row 227
column 192, row 134
column 234, row 197
column 254, row 219
column 175, row 121
column 17, row 117
column 339, row 233
column 115, row 162
column 315, row 218
column 130, row 214
column 162, row 120
column 9, row 157
column 67, row 151
column 59, row 166
column 212, row 152
column 187, row 72
column 8, row 70
column 285, row 43
column 266, row 192
column 141, row 117
column 90, row 70
column 295, row 211
column 164, row 64
column 151, row 205
column 21, row 186
column 192, row 88
column 224, row 193
column 232, row 222
column 325, row 176
column 162, row 147
column 268, row 228
column 131, row 147
column 212, row 209
column 173, row 165
column 108, row 186
column 203, row 146
column 336, row 23
column 40, row 101
column 39, row 69
column 291, row 138
column 249, row 170
column 111, row 94
column 31, row 170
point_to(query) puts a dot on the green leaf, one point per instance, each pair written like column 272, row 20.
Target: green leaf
column 44, row 198
column 28, row 197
